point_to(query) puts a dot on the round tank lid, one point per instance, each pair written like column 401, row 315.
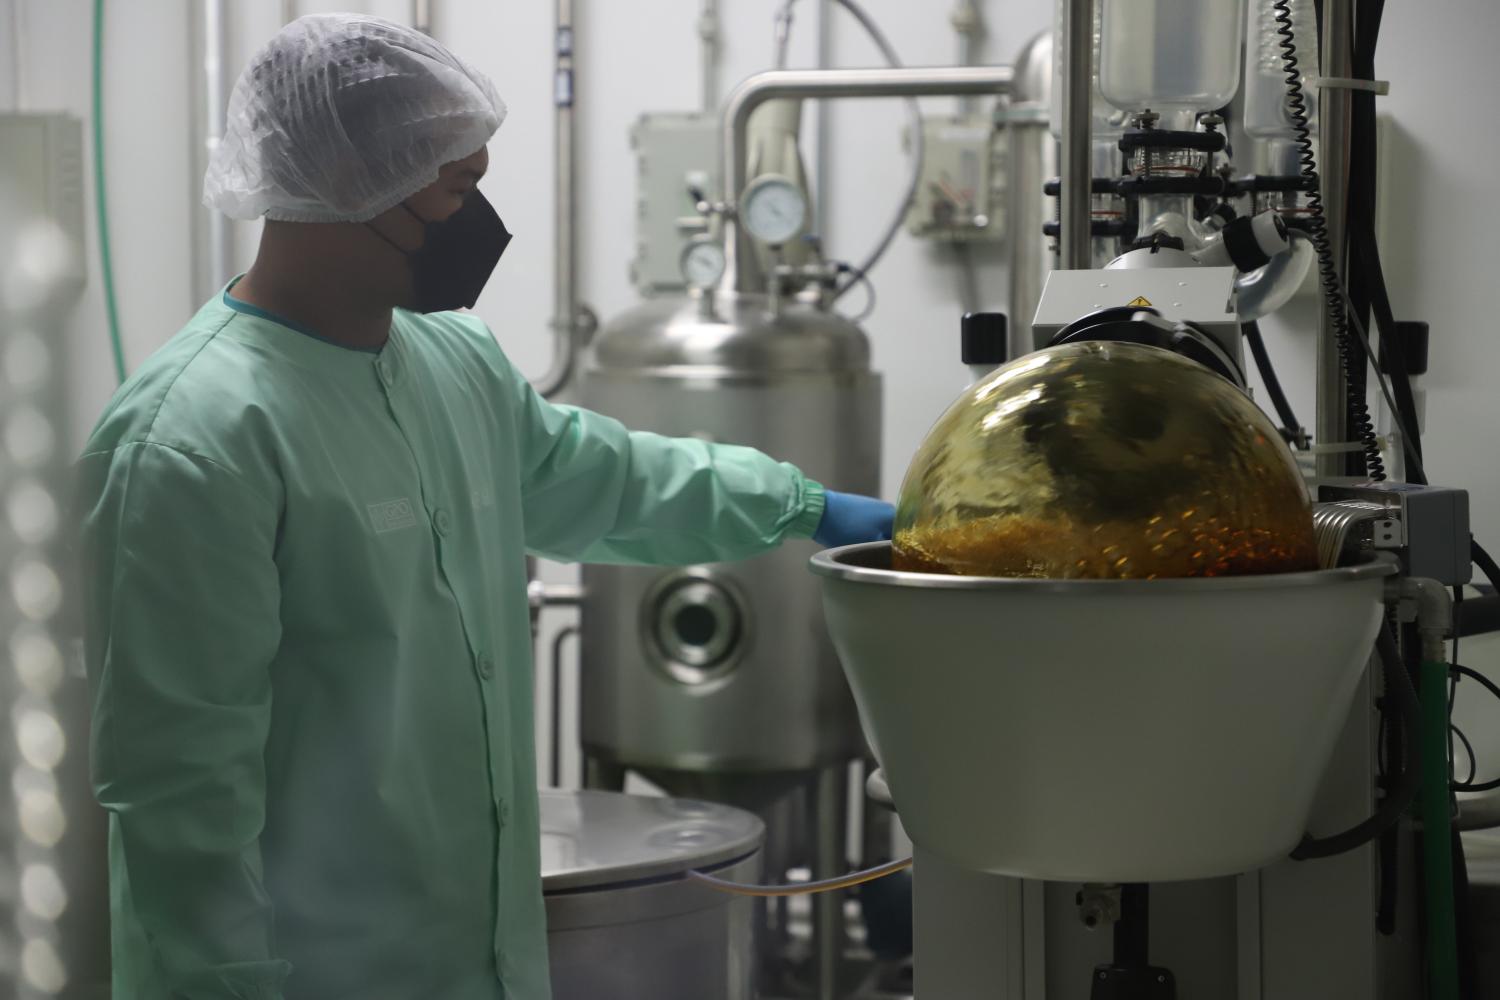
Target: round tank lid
column 739, row 336
column 594, row 840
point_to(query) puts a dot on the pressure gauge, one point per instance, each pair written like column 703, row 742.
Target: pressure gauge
column 702, row 262
column 773, row 209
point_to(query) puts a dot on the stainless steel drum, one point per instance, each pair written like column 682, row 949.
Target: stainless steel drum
column 623, row 920
column 720, row 680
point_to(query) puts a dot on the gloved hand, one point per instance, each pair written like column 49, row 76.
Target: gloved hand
column 849, row 518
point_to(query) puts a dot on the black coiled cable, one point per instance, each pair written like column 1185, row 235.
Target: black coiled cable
column 1333, row 295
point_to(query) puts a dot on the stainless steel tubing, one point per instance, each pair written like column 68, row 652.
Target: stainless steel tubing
column 1332, row 420
column 830, row 788
column 213, row 234
column 969, row 27
column 421, row 16
column 18, row 72
column 565, row 309
column 1033, row 161
column 710, row 35
column 943, row 81
column 1077, row 97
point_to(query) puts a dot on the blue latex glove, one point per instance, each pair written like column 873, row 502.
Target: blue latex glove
column 849, row 518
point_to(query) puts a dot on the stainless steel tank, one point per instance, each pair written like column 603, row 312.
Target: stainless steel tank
column 623, row 920
column 720, row 680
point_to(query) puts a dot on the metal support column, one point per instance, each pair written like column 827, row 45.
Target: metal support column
column 1334, row 105
column 1077, row 99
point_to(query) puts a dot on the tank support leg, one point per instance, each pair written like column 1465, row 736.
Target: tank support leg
column 602, row 775
column 829, row 802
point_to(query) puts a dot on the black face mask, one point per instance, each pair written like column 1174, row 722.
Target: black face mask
column 456, row 257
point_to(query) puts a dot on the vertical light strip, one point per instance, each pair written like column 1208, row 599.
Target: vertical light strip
column 38, row 268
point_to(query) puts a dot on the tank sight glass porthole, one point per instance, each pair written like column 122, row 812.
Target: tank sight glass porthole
column 694, row 626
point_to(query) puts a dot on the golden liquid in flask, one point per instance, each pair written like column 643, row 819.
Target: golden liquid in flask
column 1185, row 545
column 1103, row 461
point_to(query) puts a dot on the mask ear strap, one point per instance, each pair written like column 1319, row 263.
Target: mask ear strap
column 394, row 245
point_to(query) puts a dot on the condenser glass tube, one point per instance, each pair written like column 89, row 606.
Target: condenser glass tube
column 1267, row 112
column 1174, row 57
column 1107, row 122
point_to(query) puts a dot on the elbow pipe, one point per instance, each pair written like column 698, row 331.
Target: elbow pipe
column 1248, row 243
column 943, row 81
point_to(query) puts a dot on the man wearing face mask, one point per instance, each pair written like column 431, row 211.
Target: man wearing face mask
column 304, row 523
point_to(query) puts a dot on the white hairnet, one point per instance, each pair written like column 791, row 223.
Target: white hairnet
column 343, row 116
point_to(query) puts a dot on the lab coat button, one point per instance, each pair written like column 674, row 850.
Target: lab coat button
column 384, row 370
column 486, row 665
column 442, row 521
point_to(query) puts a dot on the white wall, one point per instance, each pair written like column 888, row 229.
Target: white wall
column 642, row 55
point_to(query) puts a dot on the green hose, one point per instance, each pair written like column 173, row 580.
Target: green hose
column 1437, row 847
column 106, row 261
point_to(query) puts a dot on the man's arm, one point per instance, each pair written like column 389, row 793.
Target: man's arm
column 182, row 622
column 595, row 492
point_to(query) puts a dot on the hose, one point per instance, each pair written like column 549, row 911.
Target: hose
column 918, row 141
column 1407, row 780
column 1471, row 785
column 802, row 888
column 1441, row 939
column 1333, row 296
column 1267, row 371
column 106, row 261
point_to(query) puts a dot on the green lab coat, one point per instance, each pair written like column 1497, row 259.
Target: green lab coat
column 309, row 643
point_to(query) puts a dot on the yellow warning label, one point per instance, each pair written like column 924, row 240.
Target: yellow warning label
column 1138, row 301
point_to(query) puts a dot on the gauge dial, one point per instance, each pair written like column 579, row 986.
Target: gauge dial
column 773, row 209
column 702, row 263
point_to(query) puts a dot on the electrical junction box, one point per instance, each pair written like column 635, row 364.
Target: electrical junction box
column 42, row 194
column 675, row 152
column 1427, row 526
column 961, row 195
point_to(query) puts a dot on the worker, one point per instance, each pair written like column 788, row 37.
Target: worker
column 305, row 522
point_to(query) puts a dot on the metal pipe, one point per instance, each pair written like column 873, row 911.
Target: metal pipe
column 823, row 171
column 555, row 736
column 709, row 35
column 1077, row 97
column 1033, row 161
column 288, row 11
column 829, row 787
column 566, row 313
column 966, row 22
column 421, row 16
column 17, row 55
column 1334, row 106
column 214, row 235
column 941, row 81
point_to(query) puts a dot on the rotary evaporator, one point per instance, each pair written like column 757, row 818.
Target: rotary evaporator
column 1155, row 751
column 1183, row 714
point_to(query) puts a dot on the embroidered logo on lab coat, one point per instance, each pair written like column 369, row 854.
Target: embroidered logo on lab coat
column 392, row 515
